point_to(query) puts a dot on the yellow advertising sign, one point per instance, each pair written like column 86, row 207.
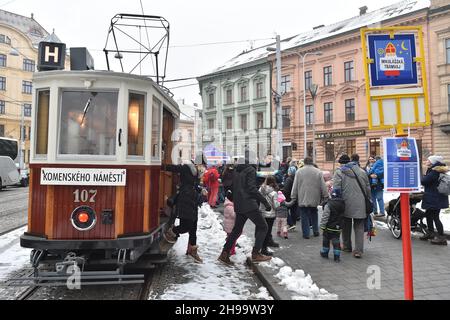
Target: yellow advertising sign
column 395, row 76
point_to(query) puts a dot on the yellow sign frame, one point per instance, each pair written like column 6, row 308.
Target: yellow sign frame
column 397, row 97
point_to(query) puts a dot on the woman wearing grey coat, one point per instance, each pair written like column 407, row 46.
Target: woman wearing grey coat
column 355, row 205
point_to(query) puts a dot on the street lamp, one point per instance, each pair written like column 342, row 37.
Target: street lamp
column 313, row 91
column 303, row 57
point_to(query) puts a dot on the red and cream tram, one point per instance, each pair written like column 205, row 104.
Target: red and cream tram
column 96, row 185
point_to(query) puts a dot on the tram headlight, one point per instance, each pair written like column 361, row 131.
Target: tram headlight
column 83, row 218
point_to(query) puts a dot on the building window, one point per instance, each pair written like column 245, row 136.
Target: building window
column 286, row 117
column 211, row 100
column 27, row 110
column 309, row 115
column 308, row 79
column 28, row 65
column 285, row 84
column 447, row 49
column 327, row 76
column 374, row 147
column 5, row 39
column 229, row 123
column 310, row 149
column 244, row 122
column 2, row 60
column 2, row 83
column 229, row 95
column 27, row 87
column 329, row 151
column 2, row 130
column 211, row 124
column 349, row 71
column 259, row 120
column 350, row 147
column 448, row 90
column 328, row 112
column 350, row 110
column 259, row 90
column 2, row 107
column 244, row 93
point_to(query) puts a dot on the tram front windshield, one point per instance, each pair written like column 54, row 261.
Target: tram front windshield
column 88, row 123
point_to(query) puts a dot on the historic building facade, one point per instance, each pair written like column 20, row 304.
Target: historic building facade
column 19, row 40
column 236, row 105
column 336, row 117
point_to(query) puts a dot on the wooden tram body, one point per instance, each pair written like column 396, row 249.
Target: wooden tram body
column 116, row 128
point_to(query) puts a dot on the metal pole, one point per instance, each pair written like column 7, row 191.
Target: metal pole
column 22, row 140
column 279, row 151
column 314, row 130
column 406, row 238
column 305, row 149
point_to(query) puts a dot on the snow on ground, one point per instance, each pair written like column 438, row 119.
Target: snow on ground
column 213, row 280
column 12, row 256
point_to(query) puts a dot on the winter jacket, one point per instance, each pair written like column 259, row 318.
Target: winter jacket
column 432, row 199
column 345, row 180
column 188, row 197
column 287, row 188
column 271, row 196
column 378, row 169
column 309, row 189
column 211, row 178
column 333, row 215
column 227, row 177
column 229, row 216
column 245, row 193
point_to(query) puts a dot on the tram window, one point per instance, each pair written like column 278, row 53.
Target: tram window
column 156, row 129
column 88, row 123
column 136, row 124
column 43, row 104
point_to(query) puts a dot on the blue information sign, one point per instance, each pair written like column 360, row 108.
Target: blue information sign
column 401, row 165
column 393, row 60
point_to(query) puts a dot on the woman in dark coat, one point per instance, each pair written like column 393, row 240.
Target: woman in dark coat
column 433, row 201
column 287, row 189
column 186, row 207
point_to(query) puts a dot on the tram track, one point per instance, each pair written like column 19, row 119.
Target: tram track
column 13, row 229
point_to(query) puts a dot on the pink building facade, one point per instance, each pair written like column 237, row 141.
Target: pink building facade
column 340, row 122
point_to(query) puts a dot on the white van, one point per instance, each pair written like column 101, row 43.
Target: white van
column 8, row 172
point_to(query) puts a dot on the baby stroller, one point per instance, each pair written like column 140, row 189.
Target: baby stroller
column 394, row 214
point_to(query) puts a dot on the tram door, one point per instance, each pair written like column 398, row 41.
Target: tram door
column 167, row 180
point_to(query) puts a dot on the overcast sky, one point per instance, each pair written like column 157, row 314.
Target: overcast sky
column 85, row 23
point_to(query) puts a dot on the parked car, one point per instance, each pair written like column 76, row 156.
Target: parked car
column 8, row 172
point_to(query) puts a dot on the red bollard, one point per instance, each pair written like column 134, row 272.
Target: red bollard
column 406, row 242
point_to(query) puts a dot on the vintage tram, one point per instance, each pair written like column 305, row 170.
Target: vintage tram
column 96, row 184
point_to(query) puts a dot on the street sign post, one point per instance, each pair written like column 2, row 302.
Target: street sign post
column 397, row 99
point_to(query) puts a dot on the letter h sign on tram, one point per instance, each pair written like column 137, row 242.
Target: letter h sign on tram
column 51, row 56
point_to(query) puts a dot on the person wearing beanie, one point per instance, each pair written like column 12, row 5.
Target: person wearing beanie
column 433, row 201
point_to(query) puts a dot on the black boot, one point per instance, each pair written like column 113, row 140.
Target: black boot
column 427, row 236
column 266, row 252
column 440, row 240
column 272, row 243
column 337, row 258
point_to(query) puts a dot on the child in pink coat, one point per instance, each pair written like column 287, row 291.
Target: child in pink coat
column 229, row 218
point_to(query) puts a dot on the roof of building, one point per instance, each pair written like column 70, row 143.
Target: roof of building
column 30, row 27
column 367, row 19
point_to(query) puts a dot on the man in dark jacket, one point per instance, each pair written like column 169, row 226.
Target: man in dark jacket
column 433, row 201
column 287, row 189
column 246, row 198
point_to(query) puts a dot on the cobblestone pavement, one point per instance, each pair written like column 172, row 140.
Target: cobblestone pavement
column 348, row 279
column 13, row 208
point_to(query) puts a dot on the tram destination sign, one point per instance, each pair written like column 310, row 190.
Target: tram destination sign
column 83, row 177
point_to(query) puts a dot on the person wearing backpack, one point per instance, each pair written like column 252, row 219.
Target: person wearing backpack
column 433, row 201
column 212, row 183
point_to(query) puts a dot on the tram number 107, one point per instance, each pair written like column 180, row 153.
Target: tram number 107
column 84, row 196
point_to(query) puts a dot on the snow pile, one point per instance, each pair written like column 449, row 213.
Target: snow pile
column 12, row 256
column 274, row 263
column 302, row 284
column 212, row 280
column 262, row 295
